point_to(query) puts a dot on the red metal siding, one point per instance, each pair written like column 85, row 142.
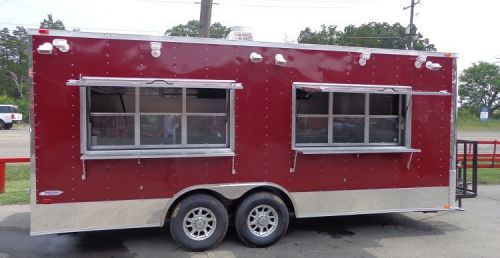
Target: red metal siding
column 263, row 120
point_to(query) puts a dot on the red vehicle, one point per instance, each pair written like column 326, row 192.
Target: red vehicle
column 138, row 131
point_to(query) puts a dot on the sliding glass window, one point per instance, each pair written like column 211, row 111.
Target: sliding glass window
column 157, row 117
column 324, row 117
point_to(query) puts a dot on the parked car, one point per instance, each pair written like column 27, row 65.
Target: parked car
column 9, row 115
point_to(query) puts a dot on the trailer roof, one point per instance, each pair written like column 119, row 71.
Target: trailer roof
column 212, row 41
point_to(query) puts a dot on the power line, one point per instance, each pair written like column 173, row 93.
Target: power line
column 190, row 34
column 170, row 1
column 314, row 1
column 84, row 28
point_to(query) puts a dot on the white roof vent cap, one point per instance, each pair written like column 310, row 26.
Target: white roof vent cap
column 240, row 33
column 45, row 48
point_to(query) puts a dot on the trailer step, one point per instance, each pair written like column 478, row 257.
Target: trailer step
column 466, row 181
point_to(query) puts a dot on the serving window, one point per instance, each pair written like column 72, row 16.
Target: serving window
column 357, row 118
column 156, row 118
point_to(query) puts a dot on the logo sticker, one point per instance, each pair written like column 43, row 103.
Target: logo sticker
column 51, row 193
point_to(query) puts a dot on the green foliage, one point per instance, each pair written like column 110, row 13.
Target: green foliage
column 488, row 176
column 17, row 185
column 192, row 29
column 465, row 112
column 328, row 35
column 469, row 121
column 217, row 30
column 13, row 62
column 49, row 23
column 373, row 34
column 480, row 86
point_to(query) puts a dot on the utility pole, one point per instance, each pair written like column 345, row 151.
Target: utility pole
column 205, row 17
column 410, row 31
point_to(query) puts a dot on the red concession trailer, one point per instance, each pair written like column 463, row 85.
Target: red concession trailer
column 136, row 131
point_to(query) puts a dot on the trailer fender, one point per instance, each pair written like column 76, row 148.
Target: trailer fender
column 228, row 191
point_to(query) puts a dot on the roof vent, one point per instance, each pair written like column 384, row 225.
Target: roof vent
column 240, row 33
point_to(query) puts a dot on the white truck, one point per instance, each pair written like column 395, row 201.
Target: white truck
column 9, row 115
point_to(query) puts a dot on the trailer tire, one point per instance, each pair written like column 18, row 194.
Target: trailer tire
column 261, row 219
column 199, row 222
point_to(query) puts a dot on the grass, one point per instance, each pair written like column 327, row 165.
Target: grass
column 17, row 184
column 488, row 176
column 471, row 123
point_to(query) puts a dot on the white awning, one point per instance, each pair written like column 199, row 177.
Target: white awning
column 353, row 88
column 154, row 82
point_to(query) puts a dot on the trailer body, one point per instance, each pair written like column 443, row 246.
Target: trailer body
column 304, row 129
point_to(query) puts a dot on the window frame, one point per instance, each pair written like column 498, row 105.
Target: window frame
column 404, row 144
column 161, row 150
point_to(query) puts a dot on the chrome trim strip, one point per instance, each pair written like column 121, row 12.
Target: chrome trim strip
column 157, row 153
column 87, row 81
column 32, row 123
column 408, row 122
column 137, row 119
column 90, row 229
column 123, row 214
column 354, row 150
column 330, row 118
column 453, row 137
column 232, row 120
column 294, row 114
column 192, row 40
column 377, row 212
column 88, row 216
column 354, row 88
column 431, row 93
column 84, row 131
column 347, row 202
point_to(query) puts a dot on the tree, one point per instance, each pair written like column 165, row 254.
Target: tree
column 373, row 34
column 480, row 86
column 49, row 23
column 192, row 29
column 328, row 35
column 14, row 60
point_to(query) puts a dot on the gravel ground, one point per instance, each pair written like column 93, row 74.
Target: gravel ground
column 15, row 142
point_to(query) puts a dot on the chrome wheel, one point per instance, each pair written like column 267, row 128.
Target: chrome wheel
column 199, row 223
column 262, row 220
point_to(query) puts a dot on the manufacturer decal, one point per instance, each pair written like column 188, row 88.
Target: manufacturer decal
column 51, row 193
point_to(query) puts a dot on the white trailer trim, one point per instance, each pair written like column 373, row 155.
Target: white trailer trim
column 353, row 88
column 88, row 81
column 211, row 41
column 106, row 215
column 351, row 202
